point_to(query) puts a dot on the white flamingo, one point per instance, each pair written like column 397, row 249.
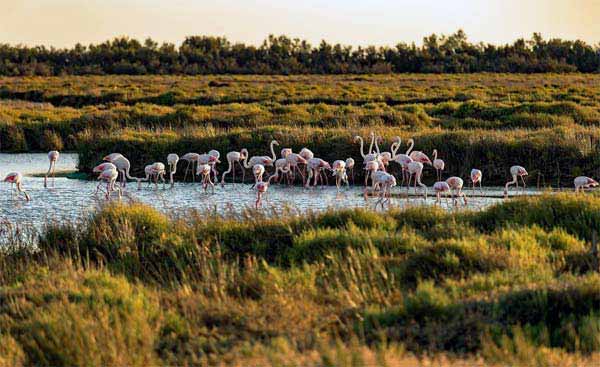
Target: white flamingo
column 110, row 176
column 123, row 166
column 456, row 185
column 205, row 170
column 416, row 169
column 258, row 171
column 339, row 171
column 350, row 166
column 315, row 167
column 438, row 164
column 476, row 177
column 16, row 179
column 441, row 187
column 583, row 182
column 233, row 158
column 172, row 160
column 516, row 172
column 53, row 158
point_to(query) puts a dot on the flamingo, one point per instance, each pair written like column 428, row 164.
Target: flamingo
column 476, row 177
column 285, row 152
column 205, row 170
column 370, row 156
column 294, row 160
column 516, row 172
column 53, row 158
column 370, row 167
column 386, row 157
column 584, row 182
column 415, row 169
column 282, row 165
column 306, row 154
column 16, row 178
column 258, row 170
column 264, row 160
column 439, row 188
column 232, row 158
column 110, row 176
column 383, row 182
column 101, row 168
column 350, row 166
column 438, row 164
column 403, row 159
column 191, row 159
column 417, row 155
column 213, row 164
column 172, row 160
column 261, row 189
column 154, row 172
column 456, row 185
column 339, row 171
column 123, row 166
column 315, row 166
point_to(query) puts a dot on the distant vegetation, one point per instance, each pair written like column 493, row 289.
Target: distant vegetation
column 516, row 284
column 548, row 123
column 283, row 55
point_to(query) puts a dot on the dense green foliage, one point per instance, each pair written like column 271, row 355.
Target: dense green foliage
column 282, row 55
column 131, row 286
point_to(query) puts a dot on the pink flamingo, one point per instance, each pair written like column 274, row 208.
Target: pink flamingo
column 306, row 154
column 383, row 182
column 439, row 188
column 282, row 167
column 370, row 156
column 386, row 157
column 285, row 152
column 350, row 166
column 438, row 164
column 371, row 167
column 584, row 182
column 16, row 179
column 172, row 160
column 516, row 172
column 232, row 159
column 258, row 170
column 154, row 172
column 123, row 166
column 415, row 169
column 261, row 189
column 403, row 159
column 476, row 177
column 213, row 163
column 53, row 158
column 191, row 159
column 339, row 171
column 456, row 185
column 315, row 167
column 101, row 168
column 206, row 170
column 294, row 160
column 264, row 160
column 110, row 176
column 417, row 155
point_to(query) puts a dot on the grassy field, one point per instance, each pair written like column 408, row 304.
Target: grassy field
column 516, row 284
column 547, row 123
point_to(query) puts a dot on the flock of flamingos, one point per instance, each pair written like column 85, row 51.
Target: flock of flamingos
column 291, row 167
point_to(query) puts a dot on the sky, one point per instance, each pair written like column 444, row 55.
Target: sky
column 63, row 23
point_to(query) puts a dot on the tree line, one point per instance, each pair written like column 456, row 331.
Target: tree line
column 284, row 55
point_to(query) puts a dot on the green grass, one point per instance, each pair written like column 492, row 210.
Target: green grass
column 129, row 285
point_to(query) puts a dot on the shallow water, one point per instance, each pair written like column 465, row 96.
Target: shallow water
column 69, row 199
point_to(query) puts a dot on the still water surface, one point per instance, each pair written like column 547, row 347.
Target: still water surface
column 70, row 199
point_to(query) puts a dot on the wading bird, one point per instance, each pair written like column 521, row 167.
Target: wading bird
column 439, row 188
column 416, row 169
column 516, row 172
column 417, row 155
column 382, row 182
column 53, row 158
column 233, row 158
column 476, row 177
column 261, row 189
column 370, row 156
column 294, row 160
column 205, row 171
column 154, row 172
column 110, row 176
column 456, row 185
column 315, row 167
column 258, row 171
column 583, row 182
column 172, row 160
column 350, row 166
column 16, row 179
column 438, row 164
column 123, row 166
column 339, row 172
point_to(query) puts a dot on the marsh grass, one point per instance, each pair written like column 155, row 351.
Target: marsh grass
column 129, row 285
